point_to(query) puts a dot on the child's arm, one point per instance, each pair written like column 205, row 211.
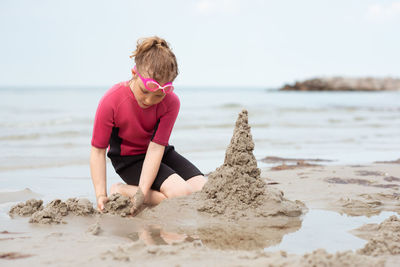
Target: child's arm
column 98, row 173
column 151, row 166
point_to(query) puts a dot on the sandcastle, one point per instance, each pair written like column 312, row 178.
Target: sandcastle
column 236, row 189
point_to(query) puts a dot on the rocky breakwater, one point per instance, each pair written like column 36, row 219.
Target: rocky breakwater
column 345, row 84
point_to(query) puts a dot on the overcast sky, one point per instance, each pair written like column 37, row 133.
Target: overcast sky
column 217, row 43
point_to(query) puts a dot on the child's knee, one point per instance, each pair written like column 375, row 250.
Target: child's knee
column 178, row 191
column 175, row 186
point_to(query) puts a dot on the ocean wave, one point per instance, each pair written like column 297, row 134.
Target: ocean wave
column 216, row 126
column 41, row 165
column 230, row 106
column 46, row 123
column 35, row 136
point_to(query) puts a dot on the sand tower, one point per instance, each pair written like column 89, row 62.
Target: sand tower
column 236, row 189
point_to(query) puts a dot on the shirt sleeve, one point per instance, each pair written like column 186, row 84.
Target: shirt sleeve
column 103, row 124
column 166, row 123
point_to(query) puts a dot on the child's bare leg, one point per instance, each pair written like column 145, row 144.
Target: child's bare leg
column 175, row 186
column 152, row 198
column 196, row 183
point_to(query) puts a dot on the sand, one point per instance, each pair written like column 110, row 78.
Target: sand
column 385, row 239
column 80, row 206
column 348, row 258
column 54, row 211
column 94, row 229
column 205, row 229
column 26, row 209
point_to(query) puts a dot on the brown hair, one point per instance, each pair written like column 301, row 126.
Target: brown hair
column 154, row 57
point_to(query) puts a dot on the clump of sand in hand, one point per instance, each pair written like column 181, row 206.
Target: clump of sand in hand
column 119, row 205
column 236, row 189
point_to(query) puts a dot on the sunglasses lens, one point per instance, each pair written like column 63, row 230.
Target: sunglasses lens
column 152, row 86
column 168, row 88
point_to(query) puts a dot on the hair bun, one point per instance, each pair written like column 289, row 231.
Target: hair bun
column 160, row 42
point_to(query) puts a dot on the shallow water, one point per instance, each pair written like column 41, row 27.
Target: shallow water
column 328, row 230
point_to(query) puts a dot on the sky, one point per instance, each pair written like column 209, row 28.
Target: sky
column 239, row 43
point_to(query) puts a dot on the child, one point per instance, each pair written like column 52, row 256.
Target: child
column 135, row 119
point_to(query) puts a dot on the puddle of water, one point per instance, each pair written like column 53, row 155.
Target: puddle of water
column 328, row 230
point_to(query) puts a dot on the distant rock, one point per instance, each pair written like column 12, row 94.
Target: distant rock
column 345, row 84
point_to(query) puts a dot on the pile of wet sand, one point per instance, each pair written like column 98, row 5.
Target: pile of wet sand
column 236, row 190
column 369, row 204
column 320, row 257
column 26, row 209
column 385, row 239
column 54, row 211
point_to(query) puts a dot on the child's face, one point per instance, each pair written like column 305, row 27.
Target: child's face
column 144, row 97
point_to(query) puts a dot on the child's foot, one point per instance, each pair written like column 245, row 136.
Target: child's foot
column 116, row 188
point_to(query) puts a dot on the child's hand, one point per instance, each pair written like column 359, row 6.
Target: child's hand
column 101, row 200
column 137, row 201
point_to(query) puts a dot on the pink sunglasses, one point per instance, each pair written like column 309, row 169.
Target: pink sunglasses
column 153, row 86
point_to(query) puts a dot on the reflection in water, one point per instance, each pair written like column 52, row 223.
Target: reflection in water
column 242, row 239
column 229, row 235
column 156, row 235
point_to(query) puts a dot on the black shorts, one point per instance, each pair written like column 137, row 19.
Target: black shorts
column 129, row 168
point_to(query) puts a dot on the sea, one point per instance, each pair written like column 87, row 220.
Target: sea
column 45, row 132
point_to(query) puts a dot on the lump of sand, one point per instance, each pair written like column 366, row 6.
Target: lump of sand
column 52, row 213
column 57, row 209
column 26, row 209
column 359, row 207
column 386, row 241
column 236, row 189
column 119, row 205
column 94, row 229
column 320, row 257
column 80, row 206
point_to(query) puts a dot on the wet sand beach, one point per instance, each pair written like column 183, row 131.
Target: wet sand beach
column 175, row 233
